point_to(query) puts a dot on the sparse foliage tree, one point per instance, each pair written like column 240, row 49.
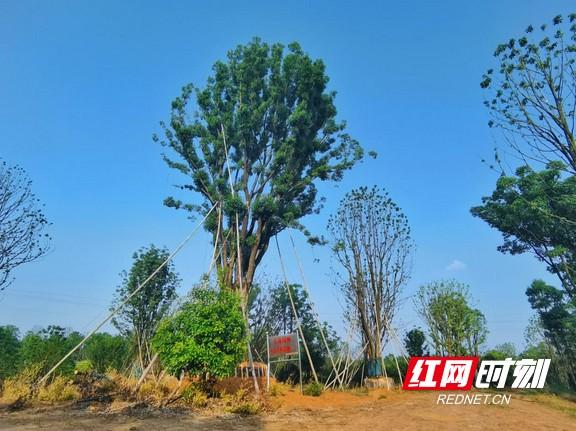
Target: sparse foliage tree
column 139, row 318
column 371, row 240
column 454, row 327
column 269, row 110
column 22, row 223
column 533, row 92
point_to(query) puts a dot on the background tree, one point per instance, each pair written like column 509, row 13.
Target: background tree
column 139, row 318
column 9, row 351
column 22, row 223
column 206, row 337
column 371, row 240
column 272, row 109
column 106, row 351
column 46, row 347
column 415, row 342
column 532, row 93
column 557, row 316
column 536, row 213
column 454, row 327
column 271, row 312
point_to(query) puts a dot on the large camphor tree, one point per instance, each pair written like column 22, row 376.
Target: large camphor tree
column 256, row 139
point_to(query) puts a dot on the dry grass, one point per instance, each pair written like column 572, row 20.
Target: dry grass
column 562, row 404
column 243, row 403
column 61, row 389
column 21, row 386
column 279, row 389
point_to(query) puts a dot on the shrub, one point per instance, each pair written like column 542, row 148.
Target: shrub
column 278, row 389
column 242, row 403
column 59, row 390
column 313, row 389
column 207, row 336
column 21, row 385
column 153, row 391
column 14, row 389
column 195, row 397
column 246, row 408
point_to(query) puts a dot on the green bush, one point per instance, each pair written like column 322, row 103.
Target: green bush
column 206, row 337
column 313, row 389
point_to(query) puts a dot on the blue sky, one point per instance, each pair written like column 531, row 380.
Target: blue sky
column 83, row 86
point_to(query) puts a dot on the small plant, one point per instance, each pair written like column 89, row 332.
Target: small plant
column 153, row 391
column 278, row 389
column 59, row 390
column 313, row 389
column 246, row 408
column 242, row 403
column 84, row 367
column 195, row 397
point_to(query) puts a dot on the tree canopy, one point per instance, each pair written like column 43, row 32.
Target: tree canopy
column 269, row 110
column 23, row 236
column 531, row 93
column 454, row 327
column 536, row 213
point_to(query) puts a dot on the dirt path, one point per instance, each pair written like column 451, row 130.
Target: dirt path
column 397, row 411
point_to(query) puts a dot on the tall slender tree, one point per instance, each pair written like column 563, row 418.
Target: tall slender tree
column 371, row 240
column 139, row 318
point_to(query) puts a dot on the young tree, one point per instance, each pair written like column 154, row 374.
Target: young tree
column 371, row 240
column 415, row 342
column 139, row 318
column 22, row 223
column 270, row 112
column 206, row 337
column 536, row 213
column 454, row 327
column 532, row 93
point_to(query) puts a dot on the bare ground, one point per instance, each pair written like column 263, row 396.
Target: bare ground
column 379, row 410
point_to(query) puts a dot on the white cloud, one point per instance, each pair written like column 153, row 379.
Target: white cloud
column 456, row 265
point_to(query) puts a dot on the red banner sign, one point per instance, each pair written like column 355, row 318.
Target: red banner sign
column 282, row 345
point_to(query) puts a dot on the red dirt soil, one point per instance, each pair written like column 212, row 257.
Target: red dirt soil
column 377, row 410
